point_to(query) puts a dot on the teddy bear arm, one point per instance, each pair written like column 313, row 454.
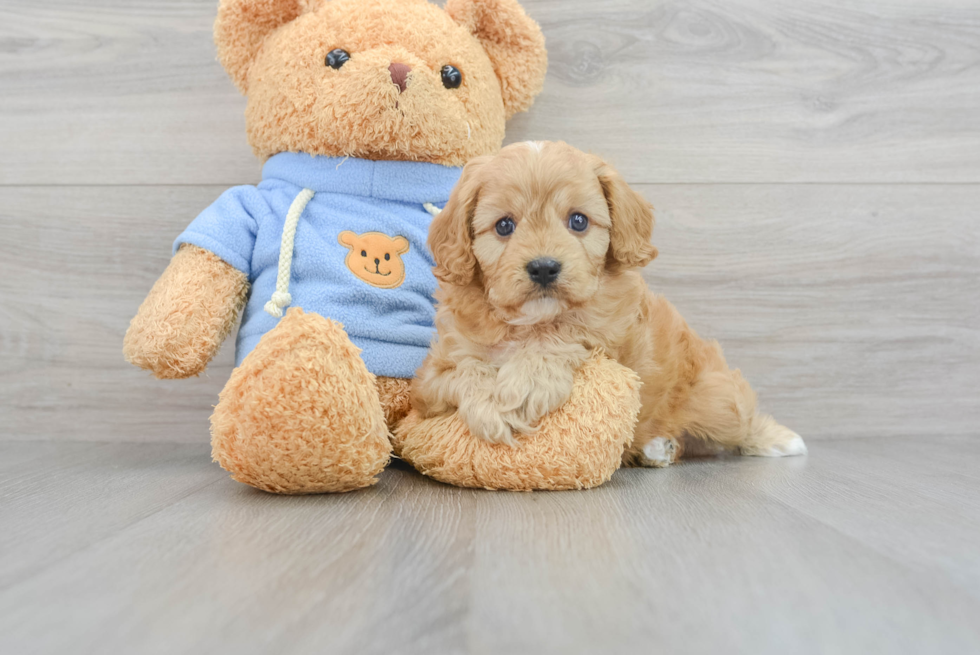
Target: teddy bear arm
column 187, row 314
column 577, row 446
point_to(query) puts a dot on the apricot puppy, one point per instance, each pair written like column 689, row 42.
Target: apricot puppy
column 538, row 253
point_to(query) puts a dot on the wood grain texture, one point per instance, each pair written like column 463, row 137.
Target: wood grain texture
column 129, row 92
column 141, row 548
column 851, row 309
column 74, row 268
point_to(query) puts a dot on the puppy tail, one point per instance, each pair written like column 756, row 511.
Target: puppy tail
column 770, row 439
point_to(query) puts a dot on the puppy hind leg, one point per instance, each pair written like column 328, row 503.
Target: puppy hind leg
column 659, row 452
column 652, row 448
column 722, row 410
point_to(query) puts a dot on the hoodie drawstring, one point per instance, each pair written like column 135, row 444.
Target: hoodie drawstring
column 280, row 297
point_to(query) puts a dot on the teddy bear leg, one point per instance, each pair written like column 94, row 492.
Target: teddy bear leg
column 302, row 413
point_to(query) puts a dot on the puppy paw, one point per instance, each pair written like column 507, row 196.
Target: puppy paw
column 486, row 422
column 659, row 452
column 525, row 401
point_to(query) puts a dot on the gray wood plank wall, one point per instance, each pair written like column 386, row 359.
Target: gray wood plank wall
column 815, row 166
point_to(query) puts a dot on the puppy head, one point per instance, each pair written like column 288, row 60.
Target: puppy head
column 539, row 226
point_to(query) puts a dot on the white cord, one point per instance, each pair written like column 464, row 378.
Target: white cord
column 280, row 297
column 432, row 209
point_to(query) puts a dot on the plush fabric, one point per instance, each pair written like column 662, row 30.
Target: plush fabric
column 187, row 314
column 579, row 446
column 396, row 399
column 302, row 413
column 275, row 52
column 375, row 205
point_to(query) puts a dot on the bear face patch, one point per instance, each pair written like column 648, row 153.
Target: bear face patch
column 375, row 257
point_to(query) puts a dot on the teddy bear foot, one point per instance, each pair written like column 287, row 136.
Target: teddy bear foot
column 302, row 414
column 578, row 446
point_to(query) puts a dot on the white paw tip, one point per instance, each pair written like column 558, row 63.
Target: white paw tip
column 794, row 446
column 659, row 450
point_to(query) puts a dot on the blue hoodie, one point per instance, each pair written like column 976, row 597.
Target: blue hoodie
column 359, row 254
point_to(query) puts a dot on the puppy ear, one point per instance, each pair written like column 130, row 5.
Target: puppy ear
column 514, row 43
column 632, row 221
column 242, row 27
column 450, row 234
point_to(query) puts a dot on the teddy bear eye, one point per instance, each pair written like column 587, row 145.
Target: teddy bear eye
column 387, row 256
column 452, row 77
column 337, row 58
column 364, row 253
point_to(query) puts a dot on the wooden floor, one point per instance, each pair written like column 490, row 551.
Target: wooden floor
column 865, row 546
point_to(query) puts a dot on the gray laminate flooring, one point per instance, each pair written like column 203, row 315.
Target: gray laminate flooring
column 866, row 546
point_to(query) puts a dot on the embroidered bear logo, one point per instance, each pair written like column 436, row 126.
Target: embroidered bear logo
column 375, row 257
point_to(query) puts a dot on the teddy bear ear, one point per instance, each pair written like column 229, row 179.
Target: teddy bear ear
column 243, row 25
column 514, row 43
column 401, row 243
column 347, row 238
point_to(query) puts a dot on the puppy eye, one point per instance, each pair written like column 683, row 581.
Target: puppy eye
column 505, row 227
column 387, row 256
column 364, row 253
column 452, row 77
column 578, row 222
column 337, row 58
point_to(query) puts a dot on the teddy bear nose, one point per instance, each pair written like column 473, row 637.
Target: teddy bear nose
column 399, row 75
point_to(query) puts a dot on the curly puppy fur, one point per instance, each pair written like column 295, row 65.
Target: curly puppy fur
column 508, row 346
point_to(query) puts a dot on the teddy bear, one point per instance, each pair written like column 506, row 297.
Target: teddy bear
column 364, row 112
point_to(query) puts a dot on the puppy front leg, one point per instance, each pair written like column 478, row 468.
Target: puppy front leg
column 536, row 380
column 468, row 388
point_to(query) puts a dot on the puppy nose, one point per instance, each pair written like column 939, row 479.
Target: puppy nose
column 399, row 75
column 543, row 271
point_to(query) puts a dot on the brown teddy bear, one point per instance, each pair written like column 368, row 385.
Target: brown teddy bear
column 364, row 111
